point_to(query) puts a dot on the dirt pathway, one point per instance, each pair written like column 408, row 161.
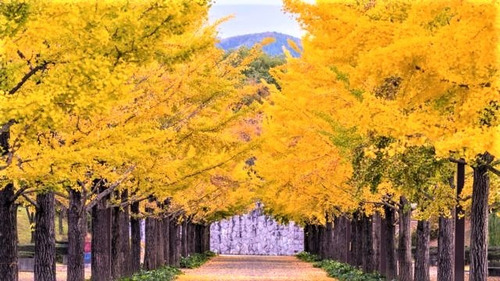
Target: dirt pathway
column 250, row 268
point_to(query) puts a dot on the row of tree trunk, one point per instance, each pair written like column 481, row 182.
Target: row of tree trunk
column 369, row 243
column 116, row 239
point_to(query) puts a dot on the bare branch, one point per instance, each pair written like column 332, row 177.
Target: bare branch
column 110, row 189
column 31, row 201
column 28, row 75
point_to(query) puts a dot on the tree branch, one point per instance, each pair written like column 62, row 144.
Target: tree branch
column 31, row 201
column 28, row 75
column 494, row 171
column 110, row 189
column 18, row 193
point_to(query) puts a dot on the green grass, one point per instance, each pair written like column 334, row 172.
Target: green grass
column 494, row 230
column 166, row 273
column 338, row 270
column 24, row 228
column 196, row 260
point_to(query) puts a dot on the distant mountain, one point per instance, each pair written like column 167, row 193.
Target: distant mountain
column 248, row 40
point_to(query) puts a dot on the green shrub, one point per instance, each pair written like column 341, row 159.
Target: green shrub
column 338, row 270
column 164, row 273
column 307, row 257
column 196, row 260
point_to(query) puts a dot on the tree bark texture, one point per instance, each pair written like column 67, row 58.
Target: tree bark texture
column 166, row 240
column 329, row 240
column 175, row 242
column 150, row 256
column 77, row 228
column 446, row 249
column 367, row 252
column 382, row 263
column 8, row 234
column 376, row 240
column 356, row 241
column 125, row 237
column 101, row 241
column 404, row 248
column 135, row 247
column 160, row 250
column 45, row 238
column 422, row 262
column 479, row 220
column 391, row 270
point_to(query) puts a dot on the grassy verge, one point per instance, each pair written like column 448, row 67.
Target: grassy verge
column 168, row 273
column 196, row 260
column 338, row 270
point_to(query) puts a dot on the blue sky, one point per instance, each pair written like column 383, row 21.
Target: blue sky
column 253, row 16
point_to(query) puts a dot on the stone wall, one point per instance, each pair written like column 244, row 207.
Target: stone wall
column 255, row 234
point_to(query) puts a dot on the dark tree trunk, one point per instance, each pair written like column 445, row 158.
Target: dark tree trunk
column 184, row 239
column 118, row 260
column 382, row 263
column 329, row 240
column 479, row 220
column 8, row 234
column 367, row 252
column 125, row 237
column 160, row 250
column 446, row 249
column 175, row 242
column 101, row 241
column 404, row 248
column 166, row 240
column 206, row 238
column 344, row 239
column 322, row 241
column 77, row 225
column 306, row 238
column 356, row 241
column 422, row 262
column 391, row 270
column 335, row 246
column 150, row 256
column 376, row 240
column 135, row 227
column 45, row 238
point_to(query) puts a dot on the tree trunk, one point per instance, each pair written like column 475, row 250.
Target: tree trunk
column 166, row 240
column 356, row 241
column 101, row 241
column 8, row 234
column 376, row 240
column 404, row 248
column 150, row 257
column 391, row 270
column 446, row 249
column 367, row 252
column 118, row 263
column 135, row 227
column 206, row 238
column 422, row 262
column 45, row 238
column 306, row 238
column 77, row 225
column 184, row 239
column 175, row 242
column 125, row 237
column 160, row 250
column 479, row 220
column 329, row 240
column 382, row 263
column 344, row 239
